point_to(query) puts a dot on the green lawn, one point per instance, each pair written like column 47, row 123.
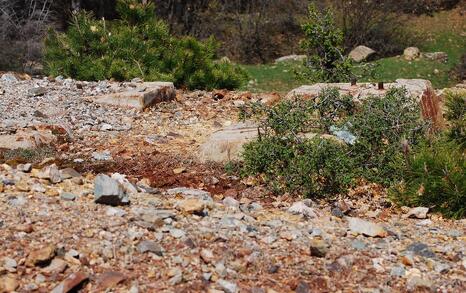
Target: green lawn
column 449, row 38
column 278, row 77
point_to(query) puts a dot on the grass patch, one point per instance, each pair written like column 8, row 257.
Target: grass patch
column 442, row 32
column 278, row 77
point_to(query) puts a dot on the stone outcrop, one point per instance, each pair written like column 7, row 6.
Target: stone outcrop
column 361, row 53
column 142, row 96
column 421, row 89
column 226, row 144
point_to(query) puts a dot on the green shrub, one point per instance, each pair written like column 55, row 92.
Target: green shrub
column 323, row 42
column 435, row 177
column 385, row 128
column 292, row 158
column 136, row 45
column 455, row 103
column 296, row 152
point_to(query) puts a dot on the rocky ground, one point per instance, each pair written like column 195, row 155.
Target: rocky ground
column 159, row 220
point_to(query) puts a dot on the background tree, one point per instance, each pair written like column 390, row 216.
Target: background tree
column 323, row 42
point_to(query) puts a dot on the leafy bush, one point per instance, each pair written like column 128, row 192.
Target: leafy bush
column 297, row 152
column 456, row 115
column 137, row 45
column 292, row 158
column 435, row 177
column 385, row 127
column 323, row 43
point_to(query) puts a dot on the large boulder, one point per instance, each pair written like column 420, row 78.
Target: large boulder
column 225, row 145
column 140, row 97
column 411, row 53
column 361, row 53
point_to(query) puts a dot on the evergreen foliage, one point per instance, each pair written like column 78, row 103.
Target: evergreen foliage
column 435, row 175
column 456, row 115
column 136, row 45
column 436, row 178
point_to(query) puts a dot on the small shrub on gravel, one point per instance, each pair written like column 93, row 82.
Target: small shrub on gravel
column 385, row 128
column 455, row 103
column 136, row 45
column 301, row 148
column 435, row 177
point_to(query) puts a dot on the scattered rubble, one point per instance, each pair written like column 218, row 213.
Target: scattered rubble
column 197, row 230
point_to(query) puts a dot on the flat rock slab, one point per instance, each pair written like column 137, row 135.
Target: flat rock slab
column 26, row 139
column 142, row 96
column 415, row 87
column 421, row 89
column 226, row 145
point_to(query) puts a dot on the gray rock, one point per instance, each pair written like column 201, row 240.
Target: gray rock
column 17, row 201
column 303, row 287
column 366, row 228
column 177, row 233
column 108, row 191
column 37, row 91
column 176, row 279
column 441, row 268
column 145, row 94
column 300, row 208
column 231, row 202
column 8, row 78
column 190, row 192
column 69, row 173
column 26, row 168
column 255, row 207
column 227, row 286
column 361, row 53
column 398, row 271
column 337, row 213
column 102, row 156
column 455, row 233
column 106, row 127
column 113, row 211
column 225, row 145
column 66, row 196
column 51, row 173
column 150, row 246
column 10, row 264
column 411, row 53
column 358, row 244
column 418, row 212
column 420, row 249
